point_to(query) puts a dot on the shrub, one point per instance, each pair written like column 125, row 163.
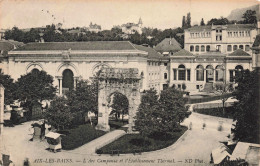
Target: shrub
column 216, row 112
column 80, row 136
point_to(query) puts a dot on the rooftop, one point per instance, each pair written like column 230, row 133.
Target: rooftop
column 93, row 45
column 257, row 41
column 152, row 54
column 228, row 27
column 168, row 45
column 239, row 52
column 183, row 52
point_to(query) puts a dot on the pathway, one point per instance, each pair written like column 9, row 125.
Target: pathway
column 195, row 145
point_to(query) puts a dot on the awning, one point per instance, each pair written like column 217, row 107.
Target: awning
column 53, row 135
column 220, row 153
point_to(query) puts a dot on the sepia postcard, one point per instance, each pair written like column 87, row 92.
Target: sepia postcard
column 129, row 82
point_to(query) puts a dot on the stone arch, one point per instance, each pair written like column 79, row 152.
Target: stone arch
column 99, row 66
column 32, row 66
column 65, row 66
column 124, row 81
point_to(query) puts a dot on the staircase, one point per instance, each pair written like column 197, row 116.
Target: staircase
column 208, row 87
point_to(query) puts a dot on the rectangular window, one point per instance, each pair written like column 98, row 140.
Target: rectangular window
column 231, row 77
column 174, row 74
column 165, row 64
column 247, row 48
column 181, row 75
column 188, row 74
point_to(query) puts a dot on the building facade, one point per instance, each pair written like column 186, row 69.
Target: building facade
column 131, row 28
column 69, row 62
column 212, row 55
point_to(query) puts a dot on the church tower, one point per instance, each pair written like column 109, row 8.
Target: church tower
column 140, row 22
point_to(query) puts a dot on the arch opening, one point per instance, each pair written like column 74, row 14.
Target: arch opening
column 67, row 80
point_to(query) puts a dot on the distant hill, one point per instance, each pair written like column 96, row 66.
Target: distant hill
column 238, row 13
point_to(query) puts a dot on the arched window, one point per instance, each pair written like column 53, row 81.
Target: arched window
column 199, row 73
column 67, row 80
column 202, row 48
column 191, row 48
column 229, row 48
column 234, row 47
column 247, row 48
column 181, row 74
column 35, row 70
column 219, row 73
column 241, row 47
column 197, row 49
column 208, row 48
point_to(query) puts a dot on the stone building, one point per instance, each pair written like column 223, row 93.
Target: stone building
column 212, row 55
column 68, row 62
column 131, row 28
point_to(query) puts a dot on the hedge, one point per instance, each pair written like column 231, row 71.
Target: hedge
column 216, row 112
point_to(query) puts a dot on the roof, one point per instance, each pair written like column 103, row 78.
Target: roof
column 183, row 52
column 239, row 52
column 168, row 45
column 227, row 27
column 93, row 45
column 257, row 41
column 52, row 135
column 220, row 153
column 243, row 149
column 152, row 54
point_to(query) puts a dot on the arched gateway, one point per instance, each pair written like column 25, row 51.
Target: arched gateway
column 124, row 81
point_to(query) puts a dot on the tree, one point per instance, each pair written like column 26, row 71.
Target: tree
column 10, row 88
column 58, row 114
column 35, row 87
column 161, row 116
column 249, row 17
column 247, row 113
column 119, row 105
column 202, row 22
column 183, row 22
column 220, row 21
column 223, row 90
column 188, row 20
column 173, row 108
column 148, row 113
column 83, row 99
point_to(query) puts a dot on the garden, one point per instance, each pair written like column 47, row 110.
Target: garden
column 137, row 143
column 228, row 113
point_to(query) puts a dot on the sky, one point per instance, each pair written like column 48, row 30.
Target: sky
column 160, row 14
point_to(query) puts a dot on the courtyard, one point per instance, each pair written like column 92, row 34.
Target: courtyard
column 193, row 148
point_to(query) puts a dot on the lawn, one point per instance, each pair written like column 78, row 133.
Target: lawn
column 76, row 137
column 135, row 142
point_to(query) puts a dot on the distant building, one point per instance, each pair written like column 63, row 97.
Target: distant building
column 94, row 28
column 213, row 54
column 168, row 46
column 131, row 28
column 2, row 34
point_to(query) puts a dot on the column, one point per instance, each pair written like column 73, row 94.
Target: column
column 214, row 75
column 75, row 82
column 60, row 82
column 177, row 74
column 205, row 75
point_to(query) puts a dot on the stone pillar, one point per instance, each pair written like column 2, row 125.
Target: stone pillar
column 205, row 75
column 1, row 109
column 75, row 82
column 103, row 112
column 214, row 75
column 60, row 86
